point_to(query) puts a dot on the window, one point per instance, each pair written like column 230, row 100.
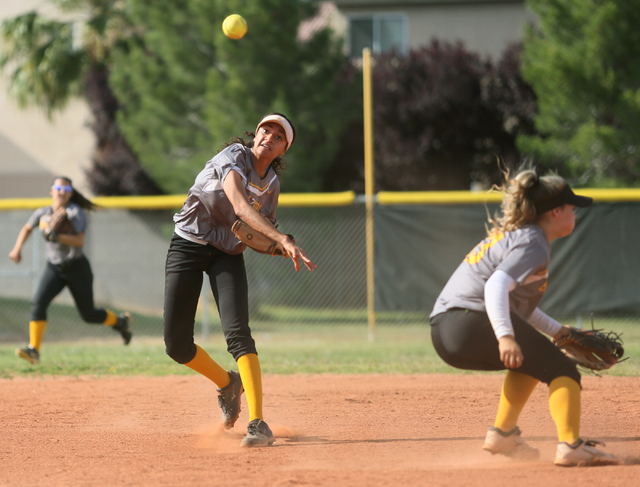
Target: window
column 379, row 32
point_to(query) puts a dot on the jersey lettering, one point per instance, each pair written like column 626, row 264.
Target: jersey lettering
column 478, row 252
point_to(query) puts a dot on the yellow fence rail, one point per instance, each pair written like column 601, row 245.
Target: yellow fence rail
column 470, row 197
column 169, row 202
column 345, row 198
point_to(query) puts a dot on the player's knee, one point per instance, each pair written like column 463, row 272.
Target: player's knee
column 90, row 316
column 38, row 312
column 179, row 352
column 566, row 370
column 239, row 346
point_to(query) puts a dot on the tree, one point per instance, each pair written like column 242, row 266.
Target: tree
column 584, row 64
column 53, row 60
column 442, row 117
column 186, row 89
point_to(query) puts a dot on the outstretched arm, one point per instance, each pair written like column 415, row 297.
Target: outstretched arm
column 16, row 254
column 235, row 191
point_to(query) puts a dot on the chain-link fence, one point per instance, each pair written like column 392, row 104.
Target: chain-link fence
column 127, row 251
column 417, row 248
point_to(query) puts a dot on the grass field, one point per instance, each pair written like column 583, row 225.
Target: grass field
column 283, row 348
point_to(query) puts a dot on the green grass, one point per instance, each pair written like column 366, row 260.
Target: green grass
column 290, row 340
column 283, row 349
column 64, row 322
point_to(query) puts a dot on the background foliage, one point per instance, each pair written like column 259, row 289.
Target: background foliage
column 443, row 116
column 186, row 89
column 166, row 89
column 584, row 65
column 52, row 60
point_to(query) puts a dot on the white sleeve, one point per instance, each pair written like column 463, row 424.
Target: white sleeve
column 496, row 300
column 544, row 323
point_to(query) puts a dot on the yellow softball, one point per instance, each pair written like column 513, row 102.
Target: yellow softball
column 234, row 26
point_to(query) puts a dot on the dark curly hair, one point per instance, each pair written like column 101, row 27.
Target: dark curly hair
column 278, row 164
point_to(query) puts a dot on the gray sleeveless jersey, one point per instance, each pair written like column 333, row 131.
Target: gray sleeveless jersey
column 207, row 213
column 58, row 253
column 523, row 254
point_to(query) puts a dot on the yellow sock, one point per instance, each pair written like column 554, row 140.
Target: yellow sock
column 249, row 366
column 564, row 405
column 111, row 318
column 36, row 332
column 516, row 390
column 205, row 365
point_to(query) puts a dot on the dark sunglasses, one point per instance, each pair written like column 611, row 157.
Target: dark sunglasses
column 57, row 187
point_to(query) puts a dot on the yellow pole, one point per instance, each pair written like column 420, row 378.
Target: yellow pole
column 368, row 187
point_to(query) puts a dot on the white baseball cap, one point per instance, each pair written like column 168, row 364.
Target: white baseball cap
column 284, row 123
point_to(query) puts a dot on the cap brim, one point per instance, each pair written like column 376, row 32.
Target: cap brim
column 564, row 197
column 580, row 201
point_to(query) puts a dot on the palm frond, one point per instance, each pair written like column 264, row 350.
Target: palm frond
column 45, row 69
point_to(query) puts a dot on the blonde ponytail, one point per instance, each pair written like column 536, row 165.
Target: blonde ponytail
column 519, row 197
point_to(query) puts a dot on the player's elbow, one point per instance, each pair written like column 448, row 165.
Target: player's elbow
column 243, row 211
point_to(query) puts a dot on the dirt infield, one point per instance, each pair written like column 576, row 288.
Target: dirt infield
column 369, row 430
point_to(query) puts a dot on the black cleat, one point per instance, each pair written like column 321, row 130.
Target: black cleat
column 123, row 325
column 258, row 434
column 229, row 399
column 29, row 354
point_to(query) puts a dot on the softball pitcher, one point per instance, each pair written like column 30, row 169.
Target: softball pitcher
column 486, row 317
column 241, row 181
column 66, row 266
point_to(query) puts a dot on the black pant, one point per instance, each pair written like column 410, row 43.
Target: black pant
column 465, row 339
column 75, row 274
column 186, row 261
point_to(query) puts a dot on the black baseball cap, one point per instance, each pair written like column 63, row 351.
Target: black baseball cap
column 564, row 197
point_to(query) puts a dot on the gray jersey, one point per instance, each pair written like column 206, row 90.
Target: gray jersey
column 58, row 253
column 523, row 254
column 207, row 213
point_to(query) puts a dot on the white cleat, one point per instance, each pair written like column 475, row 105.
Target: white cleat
column 509, row 444
column 582, row 453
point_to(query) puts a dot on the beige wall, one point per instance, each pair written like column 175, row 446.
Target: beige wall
column 33, row 148
column 486, row 28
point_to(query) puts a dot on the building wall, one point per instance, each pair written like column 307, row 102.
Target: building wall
column 33, row 149
column 484, row 27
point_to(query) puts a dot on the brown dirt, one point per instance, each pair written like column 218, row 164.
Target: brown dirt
column 369, row 430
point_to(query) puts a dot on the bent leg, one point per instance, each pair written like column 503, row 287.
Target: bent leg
column 80, row 281
column 228, row 280
column 51, row 284
column 516, row 390
column 36, row 333
column 205, row 365
column 181, row 294
column 251, row 374
column 111, row 319
column 465, row 339
column 564, row 405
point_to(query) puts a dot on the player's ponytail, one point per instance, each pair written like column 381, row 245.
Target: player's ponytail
column 519, row 197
